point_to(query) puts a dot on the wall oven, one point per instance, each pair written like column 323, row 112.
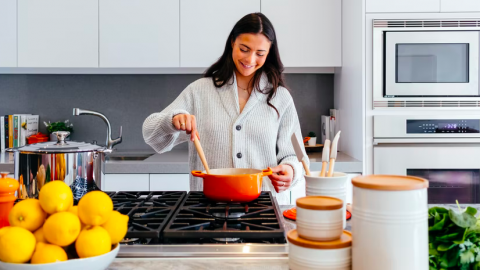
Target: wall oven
column 426, row 63
column 443, row 149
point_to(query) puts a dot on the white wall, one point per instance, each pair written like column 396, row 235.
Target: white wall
column 349, row 79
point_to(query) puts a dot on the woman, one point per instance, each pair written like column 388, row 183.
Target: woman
column 240, row 110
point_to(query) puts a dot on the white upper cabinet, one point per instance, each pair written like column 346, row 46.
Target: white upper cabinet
column 460, row 5
column 308, row 31
column 8, row 33
column 403, row 5
column 205, row 26
column 58, row 33
column 139, row 33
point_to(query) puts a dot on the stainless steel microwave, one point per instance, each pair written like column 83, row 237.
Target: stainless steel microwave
column 426, row 63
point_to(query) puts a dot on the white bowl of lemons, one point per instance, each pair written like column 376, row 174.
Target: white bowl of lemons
column 50, row 233
column 93, row 263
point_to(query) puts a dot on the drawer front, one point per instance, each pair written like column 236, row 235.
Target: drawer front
column 170, row 182
column 126, row 182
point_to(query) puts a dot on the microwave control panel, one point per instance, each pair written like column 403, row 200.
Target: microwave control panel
column 418, row 126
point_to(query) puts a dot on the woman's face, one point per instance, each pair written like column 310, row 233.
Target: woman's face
column 250, row 52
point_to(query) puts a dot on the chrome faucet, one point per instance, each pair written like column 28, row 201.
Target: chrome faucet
column 110, row 142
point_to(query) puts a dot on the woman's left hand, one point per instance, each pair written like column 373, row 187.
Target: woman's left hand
column 282, row 177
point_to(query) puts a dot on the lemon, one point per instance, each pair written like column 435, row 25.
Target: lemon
column 56, row 196
column 95, row 208
column 40, row 236
column 16, row 245
column 116, row 226
column 93, row 241
column 47, row 253
column 27, row 214
column 74, row 210
column 4, row 230
column 62, row 228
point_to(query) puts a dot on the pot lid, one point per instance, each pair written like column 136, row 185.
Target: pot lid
column 60, row 146
column 344, row 241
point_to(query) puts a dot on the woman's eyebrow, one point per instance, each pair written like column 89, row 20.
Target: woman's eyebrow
column 249, row 48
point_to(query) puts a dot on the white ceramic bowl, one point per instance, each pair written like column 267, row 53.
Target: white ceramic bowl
column 94, row 263
column 319, row 225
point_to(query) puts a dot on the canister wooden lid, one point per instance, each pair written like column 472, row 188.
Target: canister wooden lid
column 319, row 203
column 344, row 241
column 390, row 182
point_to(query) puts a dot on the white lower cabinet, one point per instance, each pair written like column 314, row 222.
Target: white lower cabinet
column 126, row 182
column 170, row 182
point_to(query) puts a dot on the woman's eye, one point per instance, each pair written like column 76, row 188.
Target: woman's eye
column 243, row 50
column 260, row 54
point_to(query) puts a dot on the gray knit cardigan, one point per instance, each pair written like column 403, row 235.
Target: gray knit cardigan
column 255, row 138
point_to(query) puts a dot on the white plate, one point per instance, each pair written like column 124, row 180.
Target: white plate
column 94, row 263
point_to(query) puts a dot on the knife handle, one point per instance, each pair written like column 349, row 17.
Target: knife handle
column 330, row 167
column 305, row 166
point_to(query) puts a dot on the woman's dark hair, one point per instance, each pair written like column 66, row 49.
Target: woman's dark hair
column 222, row 71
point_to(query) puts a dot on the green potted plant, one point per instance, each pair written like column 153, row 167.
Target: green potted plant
column 313, row 138
column 58, row 126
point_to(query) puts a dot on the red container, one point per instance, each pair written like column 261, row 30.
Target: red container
column 8, row 186
column 232, row 185
column 38, row 138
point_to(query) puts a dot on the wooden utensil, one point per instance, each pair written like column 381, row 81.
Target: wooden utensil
column 325, row 157
column 300, row 151
column 199, row 148
column 333, row 154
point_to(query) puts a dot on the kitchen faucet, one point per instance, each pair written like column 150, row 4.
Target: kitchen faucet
column 110, row 142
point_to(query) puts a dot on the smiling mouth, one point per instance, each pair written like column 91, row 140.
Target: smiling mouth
column 246, row 66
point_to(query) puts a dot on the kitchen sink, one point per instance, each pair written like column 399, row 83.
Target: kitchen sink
column 129, row 157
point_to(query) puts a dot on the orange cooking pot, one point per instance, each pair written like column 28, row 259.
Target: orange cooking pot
column 232, row 185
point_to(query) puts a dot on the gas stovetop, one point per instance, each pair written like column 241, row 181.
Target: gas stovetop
column 169, row 217
column 172, row 224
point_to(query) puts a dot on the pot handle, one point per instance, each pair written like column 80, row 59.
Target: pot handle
column 198, row 174
column 267, row 172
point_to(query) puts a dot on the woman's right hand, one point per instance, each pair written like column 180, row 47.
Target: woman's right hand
column 188, row 123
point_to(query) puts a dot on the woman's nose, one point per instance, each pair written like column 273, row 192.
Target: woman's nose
column 250, row 59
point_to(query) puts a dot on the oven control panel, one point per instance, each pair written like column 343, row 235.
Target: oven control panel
column 418, row 126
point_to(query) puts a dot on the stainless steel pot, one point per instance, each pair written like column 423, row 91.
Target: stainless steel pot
column 81, row 165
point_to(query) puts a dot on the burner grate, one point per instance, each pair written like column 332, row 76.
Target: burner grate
column 148, row 212
column 199, row 217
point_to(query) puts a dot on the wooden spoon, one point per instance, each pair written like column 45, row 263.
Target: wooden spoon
column 199, row 148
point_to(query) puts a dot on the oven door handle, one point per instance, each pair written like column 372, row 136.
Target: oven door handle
column 424, row 140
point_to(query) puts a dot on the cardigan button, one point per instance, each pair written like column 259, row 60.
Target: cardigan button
column 238, row 127
column 239, row 155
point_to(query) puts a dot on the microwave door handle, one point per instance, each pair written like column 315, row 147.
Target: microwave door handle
column 378, row 141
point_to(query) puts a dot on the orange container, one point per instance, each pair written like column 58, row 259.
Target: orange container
column 8, row 186
column 232, row 185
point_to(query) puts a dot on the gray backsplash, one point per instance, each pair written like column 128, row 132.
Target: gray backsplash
column 128, row 99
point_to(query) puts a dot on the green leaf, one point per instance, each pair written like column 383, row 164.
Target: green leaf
column 436, row 209
column 445, row 247
column 449, row 237
column 461, row 240
column 438, row 225
column 463, row 220
column 449, row 258
column 470, row 210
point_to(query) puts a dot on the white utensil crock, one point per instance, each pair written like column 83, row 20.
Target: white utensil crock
column 335, row 186
column 390, row 223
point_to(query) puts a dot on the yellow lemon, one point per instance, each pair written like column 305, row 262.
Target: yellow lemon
column 95, row 208
column 47, row 253
column 93, row 241
column 62, row 228
column 16, row 245
column 56, row 196
column 74, row 210
column 27, row 214
column 40, row 236
column 116, row 226
column 4, row 230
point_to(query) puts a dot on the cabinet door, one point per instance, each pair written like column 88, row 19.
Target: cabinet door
column 170, row 182
column 308, row 31
column 139, row 33
column 8, row 33
column 459, row 6
column 403, row 6
column 205, row 26
column 126, row 182
column 58, row 33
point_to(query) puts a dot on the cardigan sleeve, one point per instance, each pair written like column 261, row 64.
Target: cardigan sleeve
column 289, row 124
column 158, row 130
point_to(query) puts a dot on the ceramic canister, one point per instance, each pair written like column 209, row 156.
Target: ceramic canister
column 335, row 186
column 305, row 254
column 319, row 218
column 390, row 223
